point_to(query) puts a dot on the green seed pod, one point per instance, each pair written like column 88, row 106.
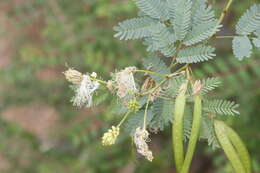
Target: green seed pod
column 240, row 147
column 194, row 133
column 177, row 130
column 233, row 157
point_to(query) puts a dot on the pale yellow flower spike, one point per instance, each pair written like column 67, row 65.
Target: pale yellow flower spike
column 109, row 138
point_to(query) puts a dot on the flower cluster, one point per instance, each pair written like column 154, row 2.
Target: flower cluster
column 84, row 87
column 125, row 82
column 110, row 136
column 133, row 105
column 140, row 139
column 73, row 76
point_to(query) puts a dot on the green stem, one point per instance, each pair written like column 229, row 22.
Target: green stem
column 175, row 56
column 194, row 134
column 151, row 72
column 123, row 120
column 226, row 36
column 98, row 80
column 145, row 112
column 155, row 88
column 230, row 37
column 182, row 68
column 224, row 12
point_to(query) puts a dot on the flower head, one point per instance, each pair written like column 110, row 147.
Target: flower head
column 140, row 140
column 125, row 82
column 133, row 105
column 84, row 92
column 110, row 86
column 73, row 76
column 110, row 136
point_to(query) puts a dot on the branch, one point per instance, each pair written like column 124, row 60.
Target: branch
column 224, row 12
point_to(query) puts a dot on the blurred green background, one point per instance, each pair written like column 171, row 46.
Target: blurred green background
column 41, row 132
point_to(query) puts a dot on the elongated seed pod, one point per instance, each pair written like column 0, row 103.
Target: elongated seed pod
column 177, row 130
column 228, row 147
column 240, row 147
column 194, row 134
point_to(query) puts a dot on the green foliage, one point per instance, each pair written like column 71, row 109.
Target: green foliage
column 180, row 15
column 137, row 120
column 190, row 22
column 242, row 47
column 155, row 64
column 202, row 13
column 163, row 110
column 207, row 131
column 154, row 8
column 210, row 84
column 134, row 28
column 196, row 54
column 220, row 107
column 160, row 27
column 174, row 86
column 202, row 32
column 256, row 42
column 248, row 24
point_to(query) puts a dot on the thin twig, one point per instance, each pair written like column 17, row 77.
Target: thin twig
column 224, row 12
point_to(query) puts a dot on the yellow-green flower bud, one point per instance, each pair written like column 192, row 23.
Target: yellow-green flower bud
column 133, row 105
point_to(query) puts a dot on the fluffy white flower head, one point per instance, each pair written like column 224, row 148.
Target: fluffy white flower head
column 84, row 92
column 125, row 82
column 141, row 137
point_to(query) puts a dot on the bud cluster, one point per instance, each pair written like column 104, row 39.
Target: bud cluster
column 110, row 136
column 133, row 105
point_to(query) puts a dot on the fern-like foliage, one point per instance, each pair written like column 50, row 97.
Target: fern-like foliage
column 220, row 107
column 161, row 36
column 156, row 9
column 208, row 132
column 174, row 86
column 202, row 13
column 135, row 28
column 166, row 24
column 202, row 32
column 242, row 47
column 187, row 123
column 257, row 32
column 169, row 50
column 136, row 120
column 196, row 54
column 154, row 63
column 249, row 22
column 151, row 44
column 180, row 15
column 163, row 111
column 210, row 84
column 256, row 42
column 162, row 39
column 196, row 4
